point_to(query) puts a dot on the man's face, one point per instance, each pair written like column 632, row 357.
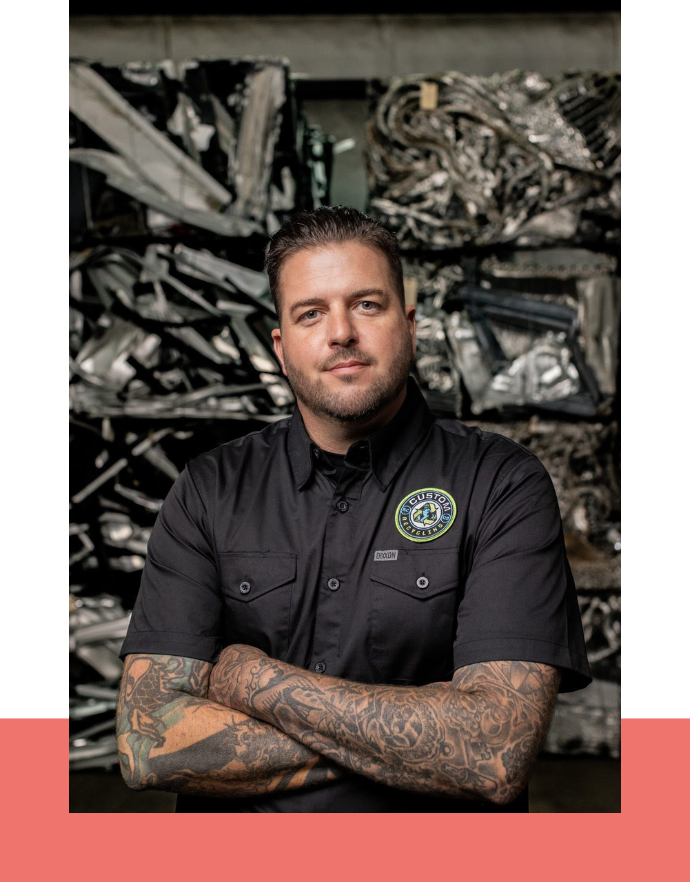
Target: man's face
column 345, row 342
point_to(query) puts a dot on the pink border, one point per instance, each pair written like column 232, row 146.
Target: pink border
column 644, row 841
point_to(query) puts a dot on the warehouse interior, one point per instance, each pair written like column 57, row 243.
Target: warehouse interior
column 487, row 140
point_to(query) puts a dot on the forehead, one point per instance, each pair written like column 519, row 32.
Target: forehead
column 331, row 270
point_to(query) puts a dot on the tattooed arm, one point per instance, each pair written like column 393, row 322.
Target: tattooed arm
column 173, row 735
column 476, row 737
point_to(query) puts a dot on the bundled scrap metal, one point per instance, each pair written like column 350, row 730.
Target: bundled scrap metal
column 532, row 330
column 97, row 627
column 171, row 332
column 165, row 147
column 514, row 158
column 168, row 336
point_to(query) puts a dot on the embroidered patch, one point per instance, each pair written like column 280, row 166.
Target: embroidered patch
column 425, row 514
column 391, row 554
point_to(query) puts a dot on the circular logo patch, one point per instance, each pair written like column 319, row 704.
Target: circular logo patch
column 425, row 514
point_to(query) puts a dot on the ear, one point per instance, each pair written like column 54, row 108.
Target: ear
column 410, row 313
column 278, row 347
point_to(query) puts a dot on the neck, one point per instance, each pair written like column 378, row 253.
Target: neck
column 336, row 436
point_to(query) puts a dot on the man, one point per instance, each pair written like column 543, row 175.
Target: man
column 358, row 609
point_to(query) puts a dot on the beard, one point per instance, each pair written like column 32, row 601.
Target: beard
column 352, row 404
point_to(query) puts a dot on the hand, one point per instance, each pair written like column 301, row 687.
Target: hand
column 235, row 676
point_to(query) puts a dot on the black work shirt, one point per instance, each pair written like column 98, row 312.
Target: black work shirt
column 438, row 546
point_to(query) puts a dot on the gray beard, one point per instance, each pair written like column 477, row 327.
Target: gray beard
column 361, row 408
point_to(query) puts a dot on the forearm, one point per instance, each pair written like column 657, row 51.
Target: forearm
column 433, row 739
column 187, row 743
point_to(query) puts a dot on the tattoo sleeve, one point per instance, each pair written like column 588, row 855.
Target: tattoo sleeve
column 171, row 736
column 475, row 738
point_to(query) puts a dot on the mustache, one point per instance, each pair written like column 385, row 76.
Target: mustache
column 343, row 355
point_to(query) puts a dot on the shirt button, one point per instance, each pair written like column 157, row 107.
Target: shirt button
column 245, row 587
column 317, row 453
column 333, row 584
column 343, row 506
column 320, row 667
column 422, row 582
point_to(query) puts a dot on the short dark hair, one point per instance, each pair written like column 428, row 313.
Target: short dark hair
column 327, row 226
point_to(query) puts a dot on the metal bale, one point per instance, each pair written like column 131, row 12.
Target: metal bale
column 549, row 342
column 195, row 147
column 519, row 158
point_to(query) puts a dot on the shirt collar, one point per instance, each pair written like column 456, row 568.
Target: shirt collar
column 389, row 447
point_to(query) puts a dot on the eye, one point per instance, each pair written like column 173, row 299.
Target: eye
column 369, row 305
column 310, row 315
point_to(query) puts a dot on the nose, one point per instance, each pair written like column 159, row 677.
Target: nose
column 341, row 328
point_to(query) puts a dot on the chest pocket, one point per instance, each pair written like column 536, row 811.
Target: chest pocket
column 257, row 587
column 414, row 603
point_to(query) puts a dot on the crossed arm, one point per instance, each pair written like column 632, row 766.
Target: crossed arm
column 171, row 735
column 253, row 725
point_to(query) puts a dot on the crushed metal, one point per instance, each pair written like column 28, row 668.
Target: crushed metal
column 516, row 158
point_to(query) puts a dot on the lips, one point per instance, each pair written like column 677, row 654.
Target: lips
column 343, row 365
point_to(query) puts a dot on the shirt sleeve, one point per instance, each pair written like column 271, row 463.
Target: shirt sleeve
column 519, row 600
column 179, row 608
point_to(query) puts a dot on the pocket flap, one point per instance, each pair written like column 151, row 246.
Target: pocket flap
column 420, row 573
column 247, row 575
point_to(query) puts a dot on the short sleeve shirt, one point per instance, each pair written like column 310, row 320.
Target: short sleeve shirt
column 433, row 546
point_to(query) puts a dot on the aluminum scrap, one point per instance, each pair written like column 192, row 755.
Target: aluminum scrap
column 515, row 157
column 435, row 367
column 172, row 332
column 549, row 343
column 593, row 284
column 211, row 145
column 97, row 626
column 119, row 476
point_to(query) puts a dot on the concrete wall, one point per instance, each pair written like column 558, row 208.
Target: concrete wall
column 340, row 47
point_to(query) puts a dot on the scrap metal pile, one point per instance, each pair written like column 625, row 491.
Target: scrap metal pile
column 179, row 172
column 171, row 332
column 504, row 193
column 535, row 329
column 170, row 355
column 516, row 158
column 169, row 148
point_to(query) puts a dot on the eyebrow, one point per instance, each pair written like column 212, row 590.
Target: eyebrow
column 353, row 295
